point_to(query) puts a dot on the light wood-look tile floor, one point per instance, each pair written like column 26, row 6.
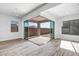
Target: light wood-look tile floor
column 27, row 48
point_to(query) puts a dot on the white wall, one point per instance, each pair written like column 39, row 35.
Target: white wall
column 5, row 28
column 58, row 26
column 66, row 36
column 57, row 23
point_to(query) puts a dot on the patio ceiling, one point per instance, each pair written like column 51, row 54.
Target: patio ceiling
column 39, row 19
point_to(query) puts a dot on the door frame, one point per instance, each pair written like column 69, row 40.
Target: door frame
column 52, row 29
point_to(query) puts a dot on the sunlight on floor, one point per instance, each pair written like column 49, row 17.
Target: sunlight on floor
column 76, row 46
column 67, row 45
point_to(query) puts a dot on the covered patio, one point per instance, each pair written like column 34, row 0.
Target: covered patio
column 39, row 30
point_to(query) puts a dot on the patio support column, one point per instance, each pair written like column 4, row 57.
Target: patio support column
column 38, row 29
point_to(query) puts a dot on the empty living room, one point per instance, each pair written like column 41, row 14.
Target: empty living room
column 39, row 29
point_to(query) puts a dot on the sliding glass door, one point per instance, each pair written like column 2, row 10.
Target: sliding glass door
column 30, row 29
column 46, row 28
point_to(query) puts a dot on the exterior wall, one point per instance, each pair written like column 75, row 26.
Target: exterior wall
column 44, row 31
column 34, row 31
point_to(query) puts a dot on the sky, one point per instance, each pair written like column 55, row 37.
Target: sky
column 42, row 25
column 45, row 25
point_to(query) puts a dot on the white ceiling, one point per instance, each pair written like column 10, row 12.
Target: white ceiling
column 20, row 9
column 64, row 9
column 17, row 9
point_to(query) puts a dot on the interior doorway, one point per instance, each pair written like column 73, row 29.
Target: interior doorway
column 35, row 28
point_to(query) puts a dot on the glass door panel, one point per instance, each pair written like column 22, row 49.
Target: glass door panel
column 26, row 24
column 52, row 28
column 44, row 28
